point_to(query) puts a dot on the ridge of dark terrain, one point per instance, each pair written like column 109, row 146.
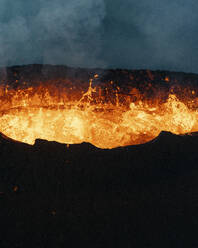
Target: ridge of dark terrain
column 39, row 72
column 140, row 196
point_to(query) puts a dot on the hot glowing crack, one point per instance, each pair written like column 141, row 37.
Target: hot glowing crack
column 103, row 117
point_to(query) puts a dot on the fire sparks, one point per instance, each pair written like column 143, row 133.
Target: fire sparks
column 99, row 115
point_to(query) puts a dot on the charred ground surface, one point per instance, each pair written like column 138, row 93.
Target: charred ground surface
column 38, row 72
column 52, row 195
column 137, row 196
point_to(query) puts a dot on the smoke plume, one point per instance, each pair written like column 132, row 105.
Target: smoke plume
column 101, row 33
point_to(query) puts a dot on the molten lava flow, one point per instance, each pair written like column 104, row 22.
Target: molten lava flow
column 105, row 117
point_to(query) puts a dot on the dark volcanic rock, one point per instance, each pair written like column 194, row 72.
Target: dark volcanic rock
column 34, row 73
column 136, row 196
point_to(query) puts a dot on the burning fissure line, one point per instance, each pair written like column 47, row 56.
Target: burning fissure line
column 100, row 116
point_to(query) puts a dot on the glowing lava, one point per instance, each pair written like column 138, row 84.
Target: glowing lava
column 100, row 116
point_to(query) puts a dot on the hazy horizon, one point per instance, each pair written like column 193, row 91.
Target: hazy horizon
column 107, row 34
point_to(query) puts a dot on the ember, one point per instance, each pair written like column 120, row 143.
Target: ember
column 104, row 115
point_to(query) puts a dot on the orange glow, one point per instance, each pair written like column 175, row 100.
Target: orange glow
column 103, row 116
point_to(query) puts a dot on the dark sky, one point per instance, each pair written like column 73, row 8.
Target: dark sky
column 150, row 34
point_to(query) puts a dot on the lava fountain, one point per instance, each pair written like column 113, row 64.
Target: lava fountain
column 104, row 115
